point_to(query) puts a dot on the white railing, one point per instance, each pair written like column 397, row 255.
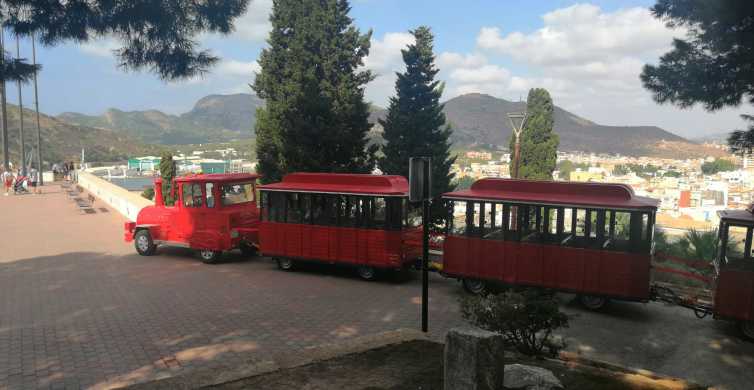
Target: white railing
column 125, row 202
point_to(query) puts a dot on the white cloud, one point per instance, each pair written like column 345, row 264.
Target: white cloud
column 235, row 68
column 384, row 60
column 583, row 33
column 255, row 25
column 385, row 54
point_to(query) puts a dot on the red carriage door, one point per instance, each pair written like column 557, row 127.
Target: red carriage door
column 734, row 295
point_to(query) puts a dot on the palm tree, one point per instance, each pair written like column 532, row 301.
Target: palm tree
column 700, row 245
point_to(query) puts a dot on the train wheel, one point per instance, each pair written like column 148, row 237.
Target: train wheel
column 210, row 256
column 747, row 328
column 366, row 273
column 144, row 244
column 475, row 286
column 284, row 264
column 592, row 302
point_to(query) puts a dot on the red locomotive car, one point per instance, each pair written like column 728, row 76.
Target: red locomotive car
column 364, row 221
column 213, row 213
column 592, row 239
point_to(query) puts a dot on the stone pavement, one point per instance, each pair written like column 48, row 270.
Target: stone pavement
column 79, row 309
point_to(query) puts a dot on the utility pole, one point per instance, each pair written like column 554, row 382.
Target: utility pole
column 21, row 114
column 517, row 129
column 36, row 106
column 6, row 152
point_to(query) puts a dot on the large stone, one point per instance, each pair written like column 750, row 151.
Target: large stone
column 523, row 377
column 473, row 359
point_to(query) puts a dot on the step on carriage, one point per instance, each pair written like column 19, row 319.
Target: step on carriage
column 363, row 221
column 213, row 213
column 592, row 239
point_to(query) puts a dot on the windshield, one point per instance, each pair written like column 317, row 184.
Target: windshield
column 236, row 193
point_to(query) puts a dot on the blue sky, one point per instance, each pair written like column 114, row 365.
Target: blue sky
column 587, row 54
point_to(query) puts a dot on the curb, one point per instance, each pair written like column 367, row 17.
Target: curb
column 574, row 359
column 206, row 377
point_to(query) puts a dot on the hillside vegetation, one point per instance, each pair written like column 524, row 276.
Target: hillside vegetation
column 63, row 141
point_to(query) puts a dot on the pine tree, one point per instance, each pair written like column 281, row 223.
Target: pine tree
column 539, row 144
column 315, row 116
column 415, row 124
column 168, row 173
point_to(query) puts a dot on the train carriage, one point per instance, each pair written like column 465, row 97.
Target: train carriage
column 363, row 221
column 734, row 269
column 592, row 239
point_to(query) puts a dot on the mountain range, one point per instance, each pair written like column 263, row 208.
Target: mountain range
column 476, row 119
column 63, row 141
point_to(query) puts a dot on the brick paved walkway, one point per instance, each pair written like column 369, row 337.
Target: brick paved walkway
column 78, row 308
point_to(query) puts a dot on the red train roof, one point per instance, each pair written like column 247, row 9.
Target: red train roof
column 741, row 216
column 342, row 183
column 604, row 195
column 217, row 177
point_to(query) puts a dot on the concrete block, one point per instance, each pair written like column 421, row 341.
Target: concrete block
column 473, row 359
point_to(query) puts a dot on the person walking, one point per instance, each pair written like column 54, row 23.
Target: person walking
column 33, row 180
column 7, row 179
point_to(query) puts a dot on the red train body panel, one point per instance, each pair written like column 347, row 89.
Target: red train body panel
column 349, row 219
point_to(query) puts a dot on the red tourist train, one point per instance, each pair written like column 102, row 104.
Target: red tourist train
column 592, row 239
column 595, row 240
column 364, row 221
column 213, row 213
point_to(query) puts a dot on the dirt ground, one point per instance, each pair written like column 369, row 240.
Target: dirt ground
column 418, row 365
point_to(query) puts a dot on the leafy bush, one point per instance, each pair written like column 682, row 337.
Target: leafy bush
column 525, row 319
column 148, row 193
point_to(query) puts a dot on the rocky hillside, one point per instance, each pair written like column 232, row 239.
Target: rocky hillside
column 63, row 141
column 214, row 118
column 477, row 119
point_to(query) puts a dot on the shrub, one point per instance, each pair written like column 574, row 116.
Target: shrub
column 526, row 319
column 148, row 193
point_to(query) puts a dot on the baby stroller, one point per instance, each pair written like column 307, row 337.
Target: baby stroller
column 20, row 186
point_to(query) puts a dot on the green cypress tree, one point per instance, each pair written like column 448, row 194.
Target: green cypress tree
column 539, row 144
column 315, row 116
column 415, row 124
column 168, row 173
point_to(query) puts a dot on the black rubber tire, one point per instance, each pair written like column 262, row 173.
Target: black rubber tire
column 248, row 250
column 593, row 302
column 210, row 257
column 285, row 264
column 367, row 273
column 474, row 286
column 143, row 243
column 747, row 329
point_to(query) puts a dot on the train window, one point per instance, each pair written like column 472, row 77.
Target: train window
column 265, row 204
column 496, row 227
column 474, row 227
column 512, row 217
column 210, row 196
column 532, row 225
column 349, row 211
column 378, row 208
column 458, row 217
column 192, row 195
column 305, row 200
column 394, row 213
column 552, row 224
column 488, row 218
column 412, row 214
column 738, row 244
column 293, row 208
column 277, row 206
